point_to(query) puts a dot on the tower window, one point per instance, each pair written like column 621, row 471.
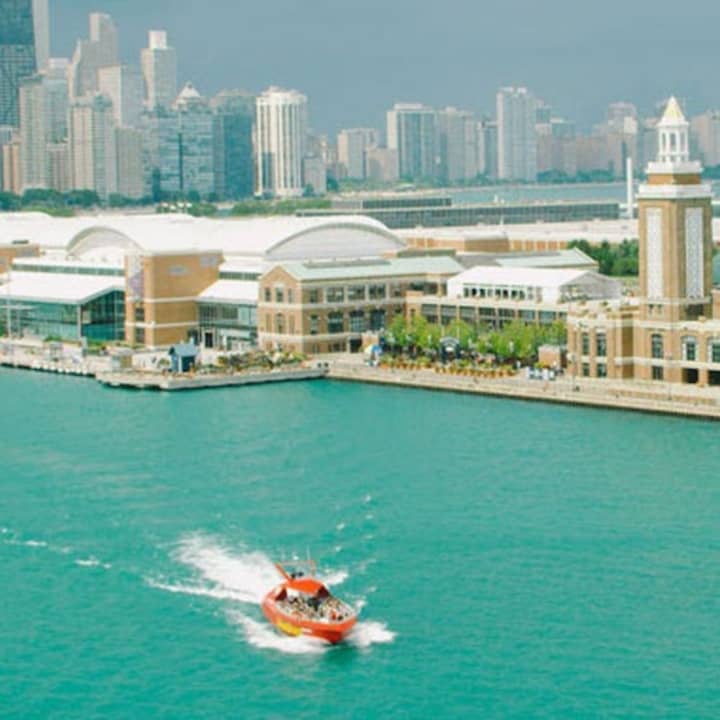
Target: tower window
column 656, row 347
column 689, row 349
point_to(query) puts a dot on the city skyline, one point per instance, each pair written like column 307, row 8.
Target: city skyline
column 578, row 66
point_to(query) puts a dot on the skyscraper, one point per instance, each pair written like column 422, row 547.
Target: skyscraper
column 234, row 160
column 56, row 87
column 41, row 27
column 33, row 133
column 123, row 84
column 161, row 152
column 281, row 137
column 195, row 127
column 93, row 155
column 411, row 130
column 517, row 143
column 159, row 68
column 457, row 145
column 100, row 51
column 352, row 145
column 17, row 55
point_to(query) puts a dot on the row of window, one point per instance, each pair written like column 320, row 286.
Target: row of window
column 600, row 344
column 357, row 321
column 657, row 347
column 348, row 293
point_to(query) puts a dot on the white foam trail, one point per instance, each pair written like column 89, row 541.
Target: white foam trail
column 335, row 578
column 340, row 526
column 368, row 498
column 262, row 635
column 35, row 543
column 370, row 632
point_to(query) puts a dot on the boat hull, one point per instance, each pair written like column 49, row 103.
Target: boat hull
column 297, row 626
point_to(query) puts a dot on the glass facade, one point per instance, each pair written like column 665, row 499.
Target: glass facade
column 17, row 55
column 101, row 319
column 227, row 325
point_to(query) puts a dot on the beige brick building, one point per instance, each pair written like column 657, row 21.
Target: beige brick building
column 672, row 332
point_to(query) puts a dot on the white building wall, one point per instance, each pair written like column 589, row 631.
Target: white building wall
column 33, row 133
column 517, row 144
column 281, row 138
column 159, row 68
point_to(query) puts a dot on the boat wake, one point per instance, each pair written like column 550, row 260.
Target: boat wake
column 243, row 579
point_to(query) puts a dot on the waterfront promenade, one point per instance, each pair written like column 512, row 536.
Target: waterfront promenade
column 651, row 397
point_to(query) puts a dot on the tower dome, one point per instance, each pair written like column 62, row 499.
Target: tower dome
column 673, row 135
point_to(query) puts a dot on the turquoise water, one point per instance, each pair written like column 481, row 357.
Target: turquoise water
column 511, row 560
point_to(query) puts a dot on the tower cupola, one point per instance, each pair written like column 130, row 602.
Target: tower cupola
column 673, row 135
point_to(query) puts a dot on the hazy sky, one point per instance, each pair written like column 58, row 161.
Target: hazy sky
column 354, row 59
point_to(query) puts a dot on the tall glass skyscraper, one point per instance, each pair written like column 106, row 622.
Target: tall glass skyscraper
column 17, row 55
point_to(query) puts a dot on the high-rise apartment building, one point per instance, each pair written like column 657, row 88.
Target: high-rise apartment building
column 17, row 55
column 352, row 147
column 233, row 135
column 557, row 147
column 93, row 154
column 457, row 145
column 195, row 129
column 128, row 144
column 706, row 135
column 123, row 84
column 280, row 141
column 159, row 68
column 100, row 51
column 56, row 88
column 58, row 159
column 412, row 131
column 161, row 152
column 382, row 165
column 33, row 133
column 517, row 143
column 489, row 146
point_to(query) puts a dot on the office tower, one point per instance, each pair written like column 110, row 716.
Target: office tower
column 557, row 149
column 58, row 160
column 100, row 51
column 123, row 84
column 706, row 135
column 382, row 165
column 457, row 145
column 6, row 136
column 411, row 130
column 128, row 143
column 281, row 137
column 12, row 171
column 517, row 144
column 352, row 146
column 161, row 153
column 489, row 144
column 56, row 89
column 314, row 175
column 41, row 28
column 618, row 113
column 234, row 158
column 159, row 68
column 195, row 131
column 33, row 133
column 93, row 157
column 17, row 55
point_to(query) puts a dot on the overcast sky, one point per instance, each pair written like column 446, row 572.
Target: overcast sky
column 354, row 59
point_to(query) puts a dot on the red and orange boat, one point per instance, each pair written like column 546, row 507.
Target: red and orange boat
column 303, row 606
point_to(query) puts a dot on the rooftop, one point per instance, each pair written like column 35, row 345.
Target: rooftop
column 51, row 288
column 231, row 291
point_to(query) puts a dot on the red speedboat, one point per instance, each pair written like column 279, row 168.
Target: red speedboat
column 303, row 606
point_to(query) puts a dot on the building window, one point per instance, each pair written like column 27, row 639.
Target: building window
column 689, row 349
column 291, row 325
column 714, row 351
column 140, row 336
column 657, row 372
column 357, row 321
column 656, row 346
column 290, row 296
column 140, row 313
column 268, row 295
column 356, row 292
column 396, row 290
column 279, row 295
column 335, row 295
column 314, row 296
column 601, row 345
column 377, row 320
column 336, row 323
column 314, row 324
column 601, row 370
column 585, row 344
column 377, row 292
column 586, row 369
column 280, row 324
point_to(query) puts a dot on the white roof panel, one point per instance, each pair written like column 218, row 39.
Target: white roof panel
column 231, row 291
column 58, row 287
